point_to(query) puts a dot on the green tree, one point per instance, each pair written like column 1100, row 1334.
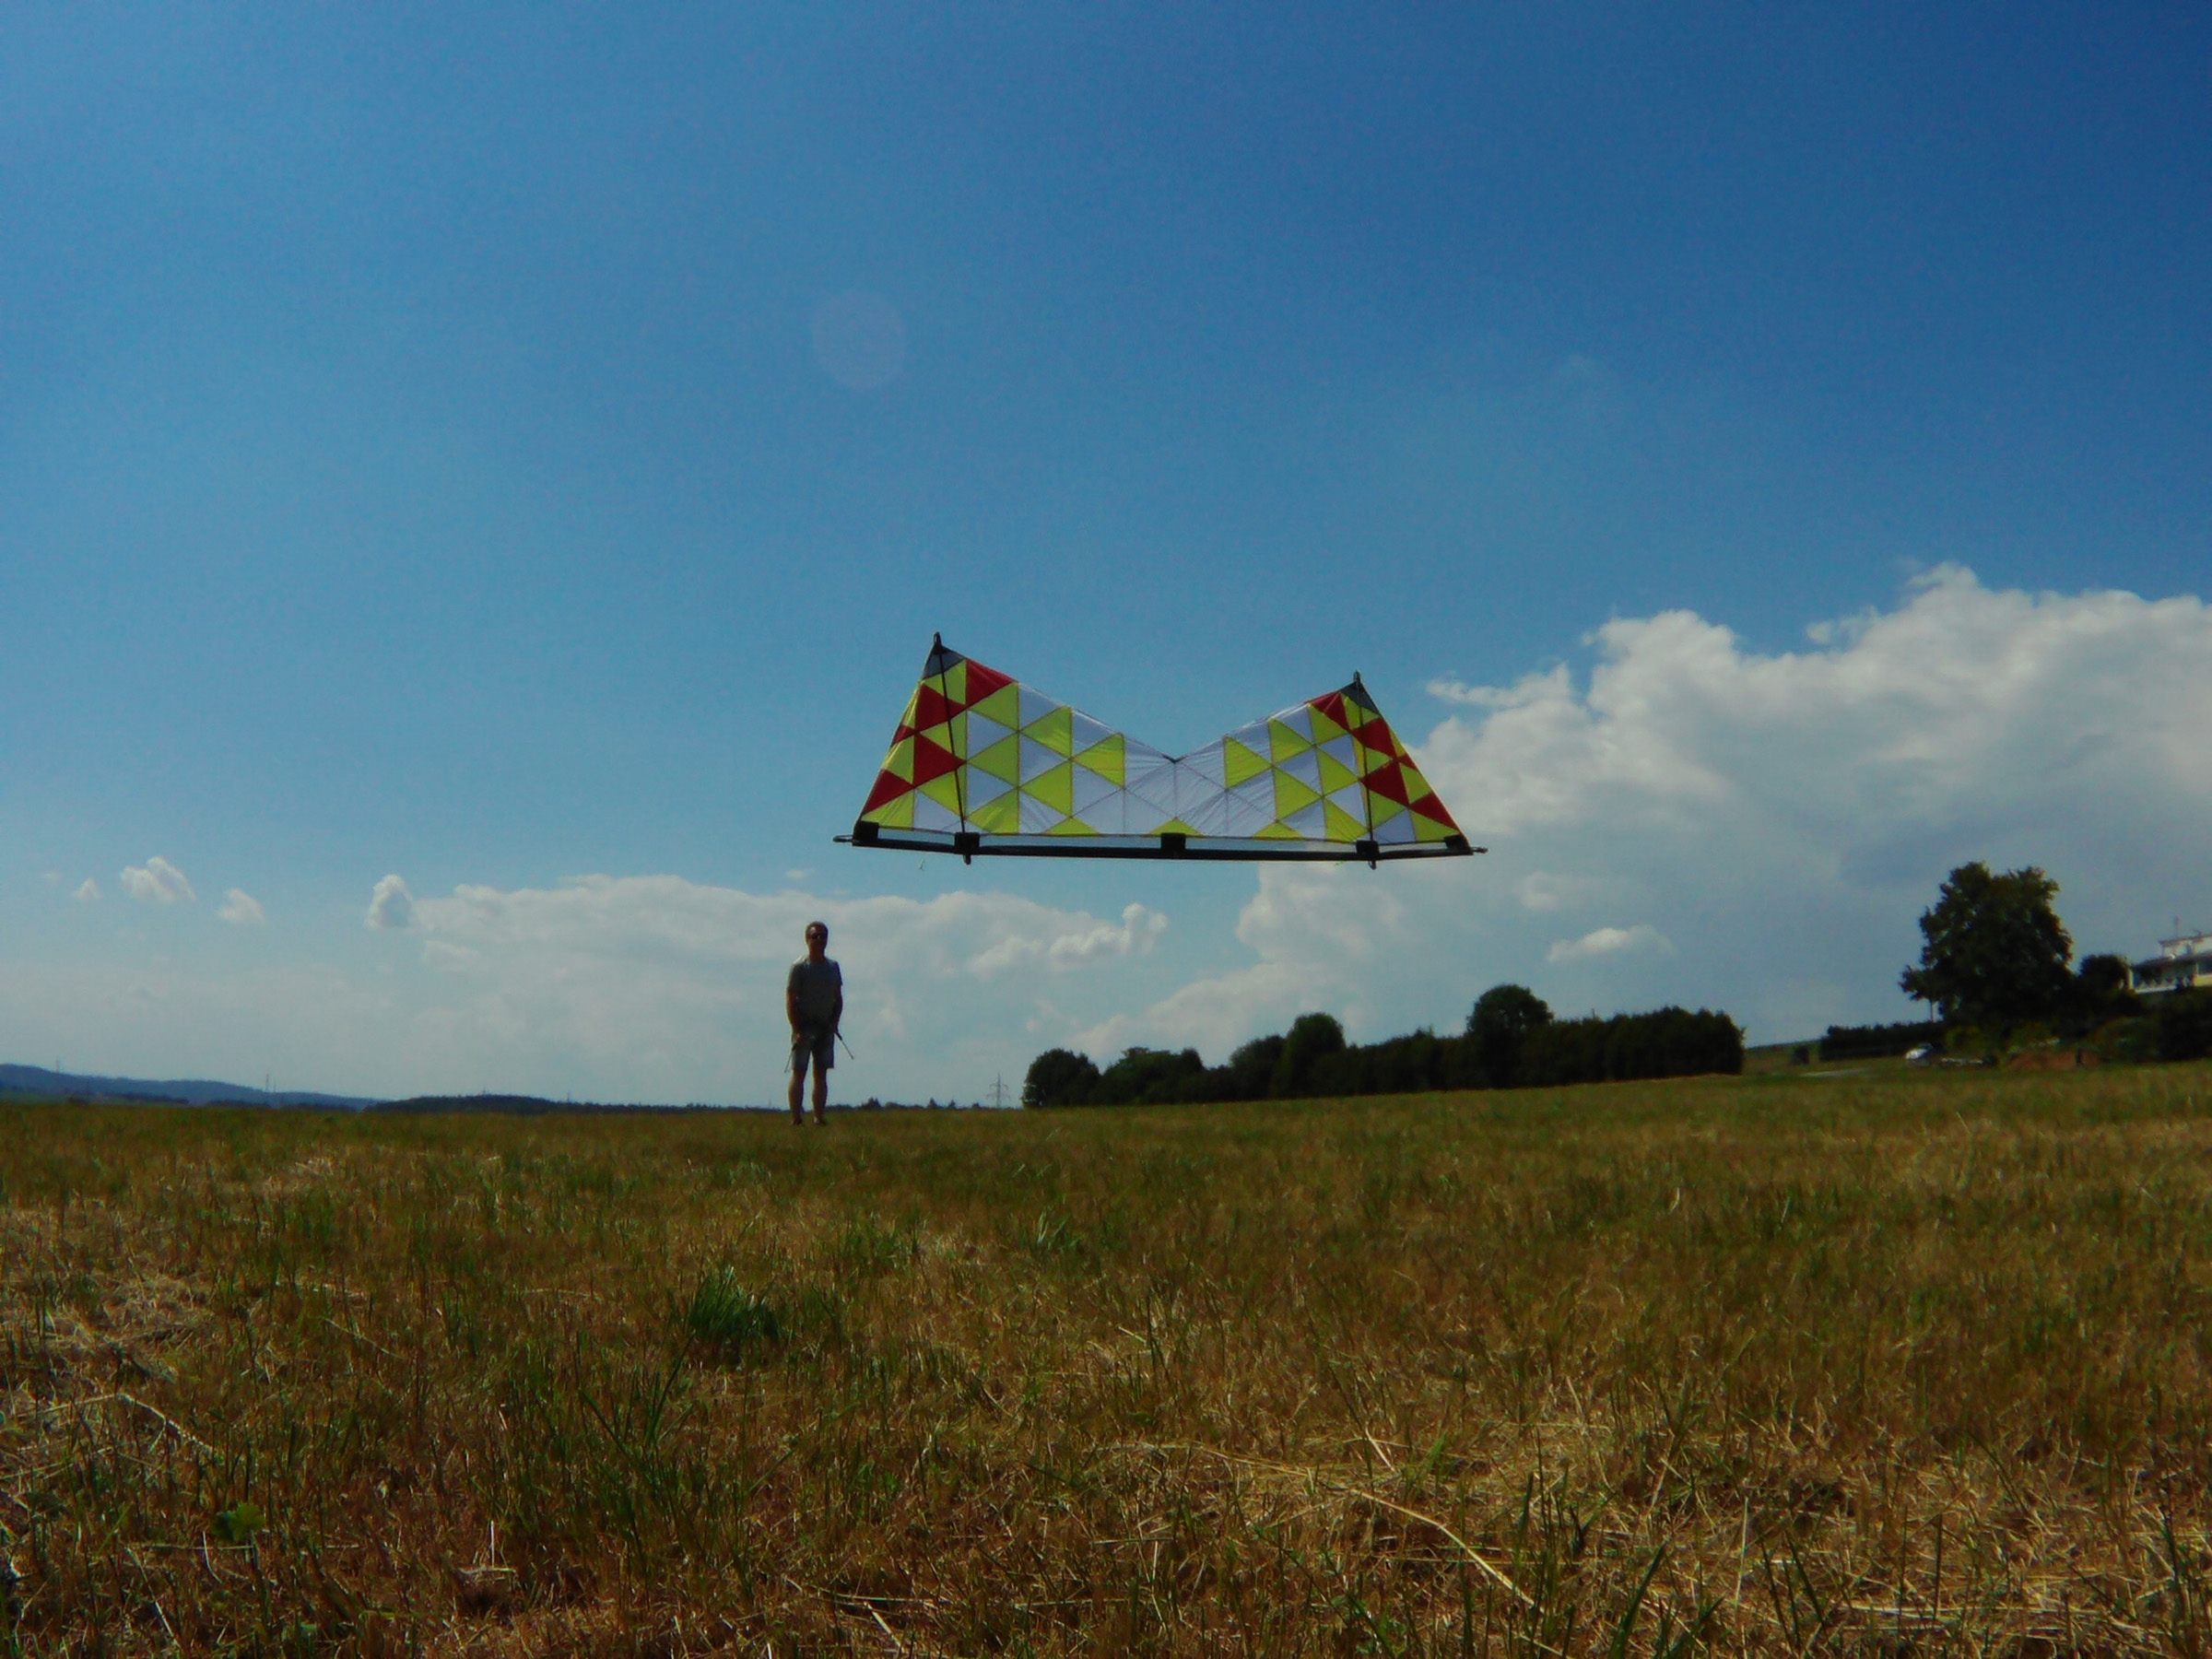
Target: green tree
column 1995, row 952
column 1250, row 1070
column 1499, row 1028
column 1144, row 1076
column 1310, row 1039
column 1059, row 1077
column 2102, row 991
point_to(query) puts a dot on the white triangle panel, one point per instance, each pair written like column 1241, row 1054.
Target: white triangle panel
column 1151, row 778
column 1206, row 763
column 1254, row 737
column 1305, row 768
column 976, row 787
column 1097, row 800
column 1037, row 817
column 1037, row 759
column 1087, row 730
column 1195, row 796
column 1035, row 705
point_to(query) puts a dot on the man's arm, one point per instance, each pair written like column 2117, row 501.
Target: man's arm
column 837, row 1014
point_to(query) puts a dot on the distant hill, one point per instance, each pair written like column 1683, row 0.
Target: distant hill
column 173, row 1091
column 526, row 1105
column 511, row 1105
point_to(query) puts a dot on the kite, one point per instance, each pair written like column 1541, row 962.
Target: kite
column 982, row 765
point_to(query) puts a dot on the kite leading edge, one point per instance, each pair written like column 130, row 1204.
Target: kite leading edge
column 982, row 765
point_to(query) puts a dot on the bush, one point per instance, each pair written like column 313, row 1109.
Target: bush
column 1966, row 1040
column 2102, row 994
column 2127, row 1040
column 2184, row 1026
column 1879, row 1042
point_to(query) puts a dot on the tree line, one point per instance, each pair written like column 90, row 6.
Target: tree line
column 1995, row 965
column 1510, row 1041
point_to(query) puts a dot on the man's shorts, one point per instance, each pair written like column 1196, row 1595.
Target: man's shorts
column 822, row 1047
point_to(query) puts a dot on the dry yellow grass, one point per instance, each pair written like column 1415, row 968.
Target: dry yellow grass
column 1895, row 1363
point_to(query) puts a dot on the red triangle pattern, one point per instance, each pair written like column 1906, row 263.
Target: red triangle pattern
column 982, row 681
column 931, row 760
column 1389, row 779
column 890, row 786
column 931, row 708
column 1387, row 782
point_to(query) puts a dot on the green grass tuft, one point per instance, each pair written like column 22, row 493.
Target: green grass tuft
column 722, row 1314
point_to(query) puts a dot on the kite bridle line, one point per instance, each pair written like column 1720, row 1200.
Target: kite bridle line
column 1366, row 795
column 959, row 795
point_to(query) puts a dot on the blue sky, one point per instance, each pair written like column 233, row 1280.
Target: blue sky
column 427, row 447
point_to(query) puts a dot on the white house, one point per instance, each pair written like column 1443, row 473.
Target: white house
column 2181, row 962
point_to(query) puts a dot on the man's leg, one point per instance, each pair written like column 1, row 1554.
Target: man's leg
column 822, row 1090
column 798, row 1081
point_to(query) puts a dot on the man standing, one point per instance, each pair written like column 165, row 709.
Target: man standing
column 814, row 1001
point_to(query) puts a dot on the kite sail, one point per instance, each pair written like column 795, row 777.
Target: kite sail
column 981, row 764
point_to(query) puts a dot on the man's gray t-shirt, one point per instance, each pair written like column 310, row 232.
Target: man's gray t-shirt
column 815, row 988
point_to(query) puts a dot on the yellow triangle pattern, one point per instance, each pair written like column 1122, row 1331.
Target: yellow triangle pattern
column 1283, row 743
column 1055, row 731
column 1238, row 764
column 993, row 800
column 1108, row 757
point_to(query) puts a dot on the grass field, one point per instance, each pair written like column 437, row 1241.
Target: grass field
column 1877, row 1361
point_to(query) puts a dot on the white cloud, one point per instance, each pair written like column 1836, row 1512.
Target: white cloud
column 1322, row 936
column 88, row 893
column 675, row 989
column 1779, row 820
column 1610, row 941
column 391, row 906
column 1063, row 950
column 1546, row 890
column 1770, row 823
column 240, row 908
column 157, row 881
column 643, row 988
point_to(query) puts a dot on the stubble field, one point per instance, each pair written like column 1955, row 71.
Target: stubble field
column 1885, row 1362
